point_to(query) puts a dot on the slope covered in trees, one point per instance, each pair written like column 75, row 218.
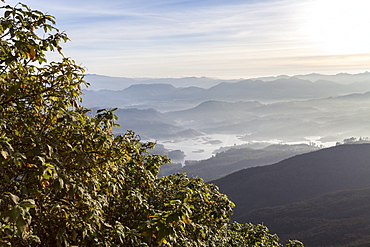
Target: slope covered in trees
column 66, row 180
column 321, row 197
column 298, row 178
column 335, row 219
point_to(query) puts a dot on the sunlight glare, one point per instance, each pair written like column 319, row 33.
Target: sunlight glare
column 339, row 26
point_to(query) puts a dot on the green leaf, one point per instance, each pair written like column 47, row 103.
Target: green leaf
column 21, row 225
column 28, row 204
column 16, row 212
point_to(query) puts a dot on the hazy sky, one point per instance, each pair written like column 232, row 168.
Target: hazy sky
column 214, row 38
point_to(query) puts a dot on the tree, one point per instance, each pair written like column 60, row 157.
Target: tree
column 66, row 180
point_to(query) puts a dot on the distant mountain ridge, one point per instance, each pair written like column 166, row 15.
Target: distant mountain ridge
column 342, row 78
column 99, row 82
column 283, row 88
column 175, row 98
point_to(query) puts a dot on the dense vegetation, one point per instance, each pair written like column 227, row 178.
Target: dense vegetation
column 66, row 180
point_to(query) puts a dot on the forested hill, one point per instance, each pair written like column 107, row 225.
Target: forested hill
column 340, row 218
column 298, row 178
column 321, row 198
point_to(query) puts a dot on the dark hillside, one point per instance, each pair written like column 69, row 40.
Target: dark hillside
column 335, row 219
column 298, row 178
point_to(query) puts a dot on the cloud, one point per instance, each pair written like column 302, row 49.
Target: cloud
column 162, row 21
column 201, row 24
column 186, row 37
column 158, row 39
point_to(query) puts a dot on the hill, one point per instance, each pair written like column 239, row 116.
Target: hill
column 235, row 159
column 334, row 219
column 340, row 117
column 279, row 89
column 99, row 82
column 321, row 198
column 150, row 124
column 213, row 113
column 299, row 178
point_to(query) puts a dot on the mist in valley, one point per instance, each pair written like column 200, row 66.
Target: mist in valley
column 313, row 109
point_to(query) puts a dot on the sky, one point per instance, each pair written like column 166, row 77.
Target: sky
column 226, row 39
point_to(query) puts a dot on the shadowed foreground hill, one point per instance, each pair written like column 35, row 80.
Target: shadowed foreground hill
column 321, row 198
column 298, row 178
column 335, row 219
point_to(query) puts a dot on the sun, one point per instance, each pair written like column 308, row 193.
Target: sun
column 339, row 26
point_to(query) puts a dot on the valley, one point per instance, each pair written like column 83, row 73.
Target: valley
column 198, row 121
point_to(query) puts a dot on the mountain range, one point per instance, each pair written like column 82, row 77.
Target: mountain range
column 99, row 82
column 283, row 109
column 331, row 119
column 341, row 78
column 166, row 97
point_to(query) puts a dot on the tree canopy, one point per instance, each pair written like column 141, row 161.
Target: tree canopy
column 66, row 180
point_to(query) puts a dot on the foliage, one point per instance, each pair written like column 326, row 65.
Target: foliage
column 66, row 180
column 354, row 140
